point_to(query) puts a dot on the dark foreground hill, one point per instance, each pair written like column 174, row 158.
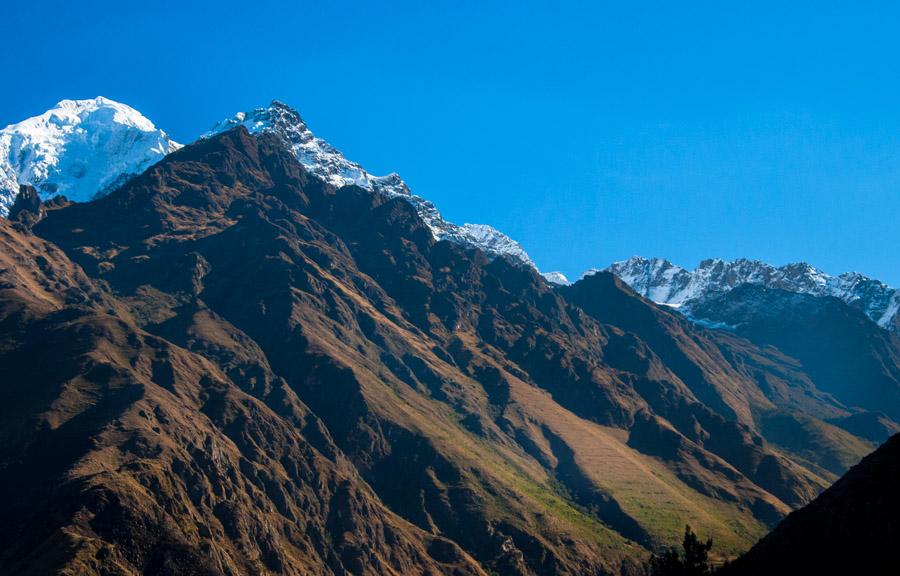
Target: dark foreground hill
column 852, row 528
column 229, row 366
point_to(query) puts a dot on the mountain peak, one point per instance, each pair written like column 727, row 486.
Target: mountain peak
column 79, row 149
column 68, row 110
column 327, row 163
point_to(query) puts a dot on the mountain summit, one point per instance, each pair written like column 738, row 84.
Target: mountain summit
column 79, row 149
column 324, row 161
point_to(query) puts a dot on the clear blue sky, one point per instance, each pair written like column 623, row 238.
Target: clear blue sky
column 589, row 133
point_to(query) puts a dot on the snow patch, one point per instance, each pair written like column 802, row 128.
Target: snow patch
column 556, row 278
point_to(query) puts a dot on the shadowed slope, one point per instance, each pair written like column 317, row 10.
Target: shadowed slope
column 851, row 528
column 846, row 354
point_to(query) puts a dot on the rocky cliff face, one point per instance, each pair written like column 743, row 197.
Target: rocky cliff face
column 234, row 365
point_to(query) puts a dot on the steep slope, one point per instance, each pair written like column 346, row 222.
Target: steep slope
column 772, row 394
column 122, row 453
column 665, row 283
column 78, row 149
column 476, row 401
column 851, row 528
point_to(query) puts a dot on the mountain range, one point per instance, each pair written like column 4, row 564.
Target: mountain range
column 82, row 149
column 665, row 283
column 249, row 356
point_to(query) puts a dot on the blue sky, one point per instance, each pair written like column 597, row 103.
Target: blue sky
column 588, row 132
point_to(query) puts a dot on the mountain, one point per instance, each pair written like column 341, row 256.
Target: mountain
column 323, row 160
column 666, row 283
column 79, row 149
column 245, row 331
column 254, row 357
column 783, row 399
column 82, row 149
column 128, row 454
column 851, row 528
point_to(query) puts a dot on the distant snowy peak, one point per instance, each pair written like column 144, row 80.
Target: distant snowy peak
column 556, row 278
column 656, row 279
column 665, row 283
column 79, row 149
column 324, row 161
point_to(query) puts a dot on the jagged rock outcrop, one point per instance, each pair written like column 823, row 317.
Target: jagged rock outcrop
column 27, row 208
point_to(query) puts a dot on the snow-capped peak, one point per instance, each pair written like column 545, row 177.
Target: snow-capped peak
column 665, row 283
column 324, row 161
column 316, row 155
column 79, row 149
column 556, row 278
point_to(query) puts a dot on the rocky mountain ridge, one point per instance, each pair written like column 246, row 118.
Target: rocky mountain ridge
column 83, row 149
column 323, row 160
column 471, row 415
column 669, row 284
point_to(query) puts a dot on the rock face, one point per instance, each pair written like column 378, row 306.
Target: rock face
column 79, row 149
column 851, row 528
column 27, row 207
column 665, row 283
column 233, row 364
